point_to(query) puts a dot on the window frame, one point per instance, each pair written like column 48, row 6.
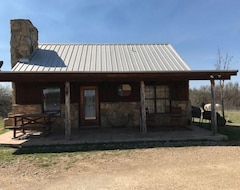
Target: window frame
column 155, row 100
column 54, row 112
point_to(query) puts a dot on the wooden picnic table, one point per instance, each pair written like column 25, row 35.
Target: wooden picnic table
column 34, row 121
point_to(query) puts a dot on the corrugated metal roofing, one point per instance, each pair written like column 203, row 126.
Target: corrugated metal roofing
column 103, row 58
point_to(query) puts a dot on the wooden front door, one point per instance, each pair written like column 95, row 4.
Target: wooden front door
column 89, row 106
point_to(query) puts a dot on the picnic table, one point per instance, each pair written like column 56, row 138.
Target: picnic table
column 34, row 121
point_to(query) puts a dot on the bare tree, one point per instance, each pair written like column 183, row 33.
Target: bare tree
column 222, row 64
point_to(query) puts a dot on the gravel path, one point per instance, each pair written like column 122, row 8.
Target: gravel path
column 210, row 167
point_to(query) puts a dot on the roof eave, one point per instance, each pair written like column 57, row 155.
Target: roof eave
column 101, row 76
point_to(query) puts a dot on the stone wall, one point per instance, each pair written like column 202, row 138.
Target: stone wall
column 24, row 39
column 120, row 114
column 23, row 109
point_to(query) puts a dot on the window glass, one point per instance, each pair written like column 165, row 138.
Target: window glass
column 124, row 90
column 163, row 106
column 90, row 104
column 162, row 92
column 157, row 99
column 51, row 101
column 149, row 92
column 150, row 105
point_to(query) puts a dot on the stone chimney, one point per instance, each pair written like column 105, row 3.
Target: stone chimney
column 24, row 39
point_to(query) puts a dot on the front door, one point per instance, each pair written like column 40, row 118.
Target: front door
column 89, row 106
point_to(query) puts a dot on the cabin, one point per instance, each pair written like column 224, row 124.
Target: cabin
column 101, row 85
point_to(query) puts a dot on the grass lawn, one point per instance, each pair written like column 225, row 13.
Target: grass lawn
column 232, row 128
column 1, row 124
column 2, row 130
column 8, row 156
column 234, row 117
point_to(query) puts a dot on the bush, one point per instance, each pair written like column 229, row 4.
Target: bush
column 5, row 101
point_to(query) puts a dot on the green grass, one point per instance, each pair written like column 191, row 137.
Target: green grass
column 6, row 154
column 232, row 132
column 234, row 117
column 66, row 160
column 2, row 130
column 1, row 124
column 41, row 160
column 232, row 129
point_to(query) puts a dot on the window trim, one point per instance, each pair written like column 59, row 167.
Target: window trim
column 56, row 112
column 155, row 99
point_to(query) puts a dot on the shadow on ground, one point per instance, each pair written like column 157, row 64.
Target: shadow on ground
column 118, row 146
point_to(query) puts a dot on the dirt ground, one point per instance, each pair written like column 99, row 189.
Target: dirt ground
column 211, row 167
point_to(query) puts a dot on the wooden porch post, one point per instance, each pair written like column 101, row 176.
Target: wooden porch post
column 143, row 124
column 13, row 93
column 213, row 111
column 67, row 111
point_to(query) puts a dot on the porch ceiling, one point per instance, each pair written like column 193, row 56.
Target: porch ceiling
column 112, row 76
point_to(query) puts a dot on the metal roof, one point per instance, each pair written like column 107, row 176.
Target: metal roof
column 102, row 58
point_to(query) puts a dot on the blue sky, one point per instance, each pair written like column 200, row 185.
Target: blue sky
column 196, row 29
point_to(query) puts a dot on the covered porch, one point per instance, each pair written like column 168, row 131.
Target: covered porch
column 113, row 135
column 141, row 78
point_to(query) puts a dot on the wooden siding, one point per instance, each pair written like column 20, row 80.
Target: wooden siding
column 108, row 92
column 31, row 93
column 179, row 91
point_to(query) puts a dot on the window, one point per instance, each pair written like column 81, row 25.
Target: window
column 157, row 99
column 124, row 90
column 52, row 101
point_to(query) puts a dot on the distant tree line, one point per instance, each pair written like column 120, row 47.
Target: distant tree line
column 202, row 95
column 5, row 101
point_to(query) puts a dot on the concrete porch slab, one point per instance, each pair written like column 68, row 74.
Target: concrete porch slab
column 108, row 135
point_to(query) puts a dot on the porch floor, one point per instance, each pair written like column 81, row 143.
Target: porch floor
column 108, row 135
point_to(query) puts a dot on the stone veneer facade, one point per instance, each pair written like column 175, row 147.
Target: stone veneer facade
column 24, row 40
column 120, row 114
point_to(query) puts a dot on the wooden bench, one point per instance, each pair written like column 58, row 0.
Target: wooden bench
column 36, row 122
column 45, row 128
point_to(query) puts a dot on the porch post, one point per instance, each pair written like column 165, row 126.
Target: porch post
column 13, row 93
column 67, row 111
column 143, row 125
column 213, row 112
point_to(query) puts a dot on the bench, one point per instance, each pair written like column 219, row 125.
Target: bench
column 45, row 128
column 37, row 122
